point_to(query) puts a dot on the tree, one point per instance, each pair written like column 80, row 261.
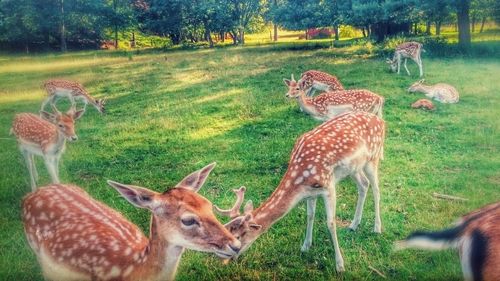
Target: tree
column 243, row 11
column 463, row 9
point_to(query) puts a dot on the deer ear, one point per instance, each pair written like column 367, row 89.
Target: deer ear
column 48, row 116
column 196, row 179
column 138, row 196
column 78, row 114
column 286, row 81
column 248, row 207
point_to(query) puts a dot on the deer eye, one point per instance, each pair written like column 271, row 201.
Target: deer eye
column 61, row 126
column 189, row 221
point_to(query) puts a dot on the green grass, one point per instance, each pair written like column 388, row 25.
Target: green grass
column 167, row 118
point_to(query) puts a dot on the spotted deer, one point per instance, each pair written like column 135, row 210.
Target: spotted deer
column 59, row 88
column 407, row 50
column 46, row 138
column 76, row 237
column 476, row 236
column 313, row 80
column 331, row 104
column 350, row 144
column 441, row 92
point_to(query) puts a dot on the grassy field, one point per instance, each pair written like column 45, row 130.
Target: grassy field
column 172, row 113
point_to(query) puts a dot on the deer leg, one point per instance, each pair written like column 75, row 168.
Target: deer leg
column 399, row 63
column 29, row 163
column 362, row 184
column 371, row 171
column 330, row 205
column 50, row 163
column 35, row 172
column 420, row 67
column 406, row 67
column 45, row 102
column 311, row 92
column 56, row 164
column 311, row 210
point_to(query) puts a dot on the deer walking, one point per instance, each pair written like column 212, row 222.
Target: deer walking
column 76, row 237
column 441, row 92
column 407, row 50
column 350, row 144
column 313, row 80
column 476, row 236
column 59, row 88
column 46, row 138
column 331, row 104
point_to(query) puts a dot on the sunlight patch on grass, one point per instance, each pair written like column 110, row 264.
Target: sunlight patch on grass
column 213, row 127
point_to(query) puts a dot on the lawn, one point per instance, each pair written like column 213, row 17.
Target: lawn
column 172, row 113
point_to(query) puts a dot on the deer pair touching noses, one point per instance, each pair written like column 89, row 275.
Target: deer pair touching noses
column 76, row 237
column 45, row 137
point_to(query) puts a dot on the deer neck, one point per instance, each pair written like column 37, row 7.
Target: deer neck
column 286, row 196
column 306, row 104
column 162, row 257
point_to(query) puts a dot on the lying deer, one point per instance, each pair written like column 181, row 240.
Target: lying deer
column 76, row 237
column 350, row 144
column 46, row 138
column 331, row 104
column 313, row 80
column 441, row 92
column 58, row 88
column 407, row 50
column 476, row 236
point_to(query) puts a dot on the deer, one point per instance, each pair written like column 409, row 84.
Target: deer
column 74, row 91
column 313, row 80
column 76, row 237
column 441, row 92
column 424, row 104
column 407, row 50
column 45, row 137
column 350, row 144
column 477, row 237
column 330, row 104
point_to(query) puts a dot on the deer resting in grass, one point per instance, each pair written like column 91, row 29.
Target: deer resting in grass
column 330, row 104
column 59, row 88
column 407, row 50
column 476, row 236
column 441, row 92
column 46, row 138
column 350, row 144
column 76, row 237
column 313, row 80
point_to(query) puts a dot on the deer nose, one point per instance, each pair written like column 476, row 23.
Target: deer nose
column 74, row 138
column 236, row 246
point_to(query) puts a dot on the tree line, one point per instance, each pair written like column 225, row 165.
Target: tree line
column 80, row 24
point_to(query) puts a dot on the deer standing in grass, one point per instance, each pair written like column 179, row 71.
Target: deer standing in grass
column 476, row 236
column 350, row 144
column 331, row 104
column 59, row 88
column 441, row 92
column 76, row 237
column 313, row 80
column 407, row 50
column 46, row 138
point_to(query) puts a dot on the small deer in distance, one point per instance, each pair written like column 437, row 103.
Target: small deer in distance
column 407, row 50
column 45, row 137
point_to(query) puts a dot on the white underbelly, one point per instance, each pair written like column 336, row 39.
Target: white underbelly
column 53, row 270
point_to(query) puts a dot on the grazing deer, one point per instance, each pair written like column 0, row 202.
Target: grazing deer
column 313, row 80
column 76, row 237
column 476, row 236
column 350, row 144
column 46, row 138
column 58, row 88
column 424, row 104
column 407, row 50
column 441, row 92
column 331, row 104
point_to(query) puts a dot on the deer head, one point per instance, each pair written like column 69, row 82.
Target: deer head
column 294, row 90
column 100, row 105
column 184, row 218
column 393, row 64
column 65, row 122
column 415, row 86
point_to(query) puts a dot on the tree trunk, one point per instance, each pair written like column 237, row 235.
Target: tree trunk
column 307, row 35
column 242, row 36
column 275, row 32
column 64, row 47
column 473, row 23
column 363, row 30
column 482, row 24
column 132, row 41
column 368, row 31
column 438, row 27
column 336, row 30
column 464, row 37
column 234, row 37
column 428, row 28
column 415, row 28
column 208, row 37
